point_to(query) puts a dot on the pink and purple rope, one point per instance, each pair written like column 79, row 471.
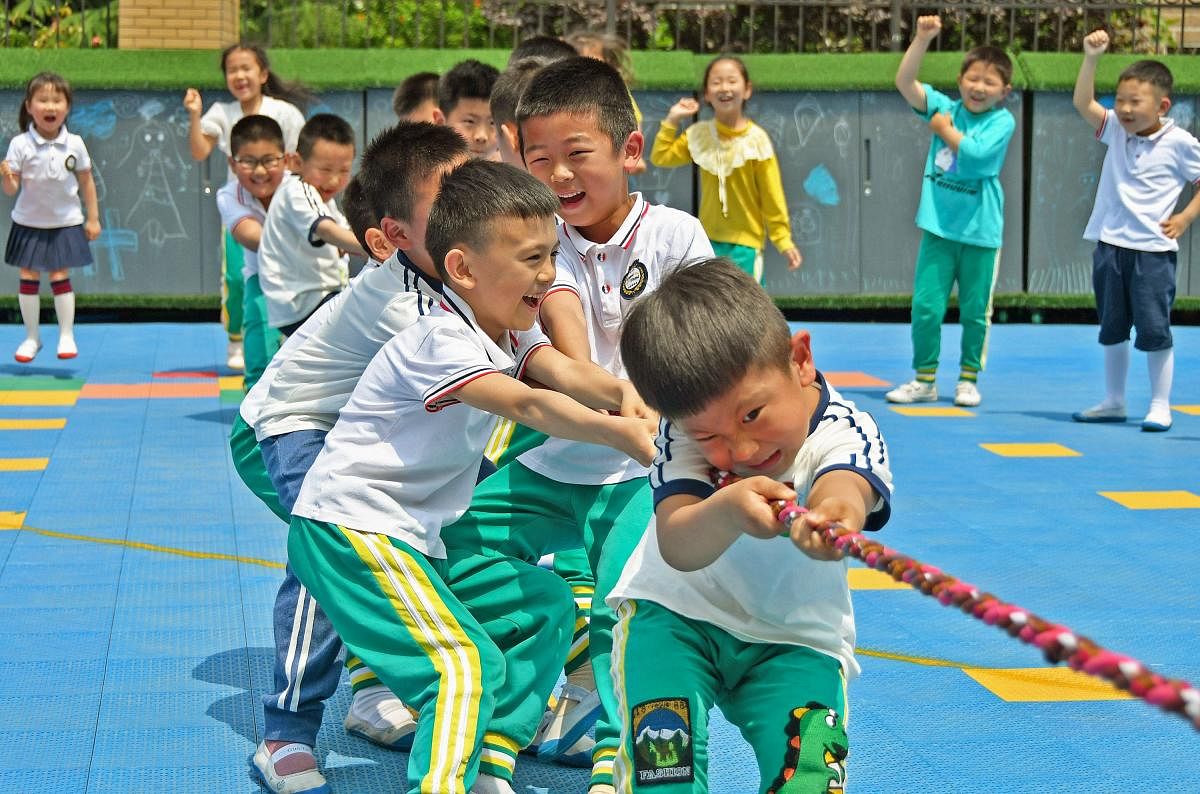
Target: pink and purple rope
column 1057, row 642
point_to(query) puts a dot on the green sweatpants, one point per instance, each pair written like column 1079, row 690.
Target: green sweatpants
column 789, row 702
column 518, row 513
column 232, row 259
column 940, row 263
column 248, row 462
column 259, row 340
column 745, row 257
column 474, row 643
column 508, row 442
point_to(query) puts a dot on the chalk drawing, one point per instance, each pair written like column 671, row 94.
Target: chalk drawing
column 155, row 213
column 807, row 115
column 112, row 241
column 806, row 225
column 841, row 136
column 820, row 185
column 97, row 120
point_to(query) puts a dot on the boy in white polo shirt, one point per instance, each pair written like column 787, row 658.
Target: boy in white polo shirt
column 400, row 464
column 301, row 257
column 258, row 165
column 580, row 138
column 297, row 406
column 1148, row 162
column 753, row 619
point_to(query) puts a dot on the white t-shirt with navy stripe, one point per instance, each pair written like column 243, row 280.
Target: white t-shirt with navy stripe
column 49, row 197
column 766, row 590
column 316, row 379
column 296, row 268
column 236, row 204
column 403, row 457
column 1140, row 183
column 609, row 278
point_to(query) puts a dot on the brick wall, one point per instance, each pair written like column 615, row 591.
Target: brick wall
column 178, row 24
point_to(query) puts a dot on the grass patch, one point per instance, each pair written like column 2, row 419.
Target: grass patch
column 1056, row 71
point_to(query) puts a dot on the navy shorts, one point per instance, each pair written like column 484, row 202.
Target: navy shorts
column 1134, row 289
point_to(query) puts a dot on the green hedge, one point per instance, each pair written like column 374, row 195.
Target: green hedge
column 333, row 69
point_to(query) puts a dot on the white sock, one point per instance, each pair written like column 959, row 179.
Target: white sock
column 1116, row 370
column 1161, row 364
column 64, row 308
column 486, row 784
column 381, row 708
column 31, row 308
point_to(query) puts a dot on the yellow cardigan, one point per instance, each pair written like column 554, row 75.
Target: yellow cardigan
column 753, row 189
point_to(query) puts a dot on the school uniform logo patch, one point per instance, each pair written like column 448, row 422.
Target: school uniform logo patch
column 662, row 742
column 634, row 282
column 70, row 162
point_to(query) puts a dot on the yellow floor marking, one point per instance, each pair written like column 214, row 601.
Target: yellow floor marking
column 230, row 383
column 1031, row 450
column 870, row 579
column 11, row 520
column 38, row 397
column 1044, row 684
column 1154, row 500
column 32, row 424
column 24, row 464
column 1190, row 410
column 133, row 544
column 920, row 410
column 923, row 661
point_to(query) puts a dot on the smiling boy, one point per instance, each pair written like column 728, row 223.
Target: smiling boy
column 752, row 618
column 301, row 263
column 1135, row 227
column 961, row 214
column 473, row 642
column 463, row 98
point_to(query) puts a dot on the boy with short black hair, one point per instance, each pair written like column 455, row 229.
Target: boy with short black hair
column 364, row 223
column 463, row 94
column 301, row 264
column 961, row 214
column 299, row 404
column 541, row 46
column 258, row 167
column 506, row 93
column 416, row 99
column 1136, row 229
column 473, row 641
column 579, row 137
column 753, row 618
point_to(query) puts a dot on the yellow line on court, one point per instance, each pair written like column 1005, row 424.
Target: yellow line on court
column 133, row 544
column 924, row 661
column 32, row 424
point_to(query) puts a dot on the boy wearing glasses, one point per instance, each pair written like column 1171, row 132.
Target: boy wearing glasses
column 258, row 168
column 302, row 252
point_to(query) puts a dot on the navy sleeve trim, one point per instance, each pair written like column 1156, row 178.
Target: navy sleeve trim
column 313, row 239
column 875, row 519
column 675, row 487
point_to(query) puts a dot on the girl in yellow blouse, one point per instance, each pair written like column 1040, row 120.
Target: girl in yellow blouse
column 741, row 191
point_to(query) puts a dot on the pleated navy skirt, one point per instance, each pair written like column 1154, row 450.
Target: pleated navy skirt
column 47, row 249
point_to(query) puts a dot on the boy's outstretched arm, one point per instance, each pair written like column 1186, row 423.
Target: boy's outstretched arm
column 558, row 415
column 561, row 316
column 910, row 65
column 1094, row 45
column 334, row 233
column 837, row 497
column 694, row 532
column 248, row 233
column 587, row 383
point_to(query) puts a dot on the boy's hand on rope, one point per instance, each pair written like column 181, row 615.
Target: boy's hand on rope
column 809, row 528
column 751, row 506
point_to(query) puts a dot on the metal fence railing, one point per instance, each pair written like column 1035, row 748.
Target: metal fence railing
column 710, row 25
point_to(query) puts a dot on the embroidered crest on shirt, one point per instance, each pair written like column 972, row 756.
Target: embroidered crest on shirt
column 722, row 156
column 662, row 742
column 634, row 282
column 70, row 163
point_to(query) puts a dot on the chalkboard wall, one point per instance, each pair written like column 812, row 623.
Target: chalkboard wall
column 851, row 161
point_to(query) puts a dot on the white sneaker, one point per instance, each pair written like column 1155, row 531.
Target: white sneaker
column 1158, row 420
column 487, row 784
column 27, row 350
column 564, row 725
column 1104, row 412
column 235, row 357
column 380, row 717
column 915, row 391
column 310, row 781
column 66, row 346
column 966, row 394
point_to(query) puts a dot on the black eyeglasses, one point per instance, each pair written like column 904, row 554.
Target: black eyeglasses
column 270, row 162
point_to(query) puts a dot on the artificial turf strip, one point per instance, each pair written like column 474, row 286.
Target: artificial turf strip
column 1056, row 71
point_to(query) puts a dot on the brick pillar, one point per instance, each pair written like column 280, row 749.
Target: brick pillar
column 178, row 24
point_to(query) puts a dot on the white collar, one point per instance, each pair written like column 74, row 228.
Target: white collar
column 624, row 235
column 61, row 138
column 501, row 358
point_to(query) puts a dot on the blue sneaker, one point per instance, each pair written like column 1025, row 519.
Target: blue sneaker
column 566, row 724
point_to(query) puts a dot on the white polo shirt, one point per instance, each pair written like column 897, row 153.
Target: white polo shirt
column 652, row 242
column 49, row 197
column 219, row 119
column 766, row 590
column 236, row 204
column 317, row 378
column 1140, row 183
column 402, row 459
column 296, row 269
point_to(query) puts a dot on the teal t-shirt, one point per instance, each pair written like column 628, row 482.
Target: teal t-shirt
column 961, row 197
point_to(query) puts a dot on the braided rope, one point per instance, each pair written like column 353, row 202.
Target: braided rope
column 1057, row 642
